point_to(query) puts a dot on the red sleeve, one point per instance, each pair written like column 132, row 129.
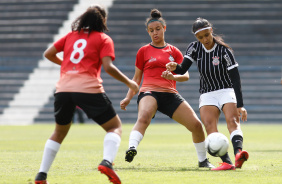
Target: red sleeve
column 107, row 48
column 178, row 56
column 60, row 44
column 139, row 62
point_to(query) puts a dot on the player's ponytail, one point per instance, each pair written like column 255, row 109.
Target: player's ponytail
column 93, row 19
column 156, row 15
column 201, row 23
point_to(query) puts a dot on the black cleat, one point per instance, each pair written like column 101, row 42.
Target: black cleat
column 105, row 167
column 41, row 178
column 130, row 154
column 205, row 164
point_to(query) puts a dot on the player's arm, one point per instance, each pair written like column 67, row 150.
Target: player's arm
column 130, row 94
column 51, row 54
column 236, row 81
column 113, row 71
column 179, row 78
column 179, row 68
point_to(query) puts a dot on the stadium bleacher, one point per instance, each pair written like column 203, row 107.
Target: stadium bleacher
column 26, row 28
column 252, row 28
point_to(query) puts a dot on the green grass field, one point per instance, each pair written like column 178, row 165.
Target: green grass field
column 165, row 156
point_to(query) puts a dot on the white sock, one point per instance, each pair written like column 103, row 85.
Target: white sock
column 135, row 138
column 111, row 145
column 236, row 132
column 49, row 154
column 201, row 151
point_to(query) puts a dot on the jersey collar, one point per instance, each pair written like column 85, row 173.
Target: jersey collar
column 212, row 49
column 159, row 47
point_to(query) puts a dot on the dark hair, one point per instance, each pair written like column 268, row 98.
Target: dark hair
column 156, row 15
column 202, row 23
column 93, row 19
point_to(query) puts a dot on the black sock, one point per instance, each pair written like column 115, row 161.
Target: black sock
column 41, row 176
column 226, row 158
column 237, row 142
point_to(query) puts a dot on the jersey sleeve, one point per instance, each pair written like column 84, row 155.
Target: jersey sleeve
column 107, row 48
column 139, row 62
column 60, row 44
column 178, row 56
column 191, row 52
column 230, row 59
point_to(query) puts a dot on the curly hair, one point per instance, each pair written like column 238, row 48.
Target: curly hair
column 93, row 19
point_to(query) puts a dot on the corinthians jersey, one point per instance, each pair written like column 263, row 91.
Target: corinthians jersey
column 212, row 65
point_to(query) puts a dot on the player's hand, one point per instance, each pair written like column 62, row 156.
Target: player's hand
column 124, row 103
column 167, row 75
column 242, row 113
column 133, row 86
column 171, row 66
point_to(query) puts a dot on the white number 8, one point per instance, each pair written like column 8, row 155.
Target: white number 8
column 78, row 50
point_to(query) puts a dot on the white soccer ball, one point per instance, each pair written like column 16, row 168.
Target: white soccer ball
column 216, row 144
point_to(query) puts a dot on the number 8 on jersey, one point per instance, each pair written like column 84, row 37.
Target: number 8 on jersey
column 78, row 51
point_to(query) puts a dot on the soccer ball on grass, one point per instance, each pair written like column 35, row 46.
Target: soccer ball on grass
column 216, row 144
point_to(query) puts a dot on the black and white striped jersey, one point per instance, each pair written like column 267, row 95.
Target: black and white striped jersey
column 212, row 65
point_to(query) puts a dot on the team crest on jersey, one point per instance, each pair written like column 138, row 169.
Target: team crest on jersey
column 171, row 58
column 215, row 60
column 152, row 59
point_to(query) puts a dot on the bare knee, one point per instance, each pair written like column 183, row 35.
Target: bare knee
column 113, row 125
column 145, row 120
column 232, row 123
column 210, row 127
column 142, row 124
column 197, row 127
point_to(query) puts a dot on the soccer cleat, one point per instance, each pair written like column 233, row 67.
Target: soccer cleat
column 41, row 182
column 106, row 168
column 206, row 164
column 240, row 158
column 41, row 178
column 224, row 166
column 130, row 154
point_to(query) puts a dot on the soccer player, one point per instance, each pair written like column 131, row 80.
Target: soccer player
column 220, row 87
column 86, row 48
column 160, row 94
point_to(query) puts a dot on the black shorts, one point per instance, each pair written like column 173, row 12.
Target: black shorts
column 97, row 107
column 167, row 102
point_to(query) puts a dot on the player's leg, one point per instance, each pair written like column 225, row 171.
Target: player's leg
column 99, row 108
column 186, row 116
column 112, row 140
column 147, row 108
column 210, row 116
column 64, row 109
column 236, row 134
column 51, row 149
